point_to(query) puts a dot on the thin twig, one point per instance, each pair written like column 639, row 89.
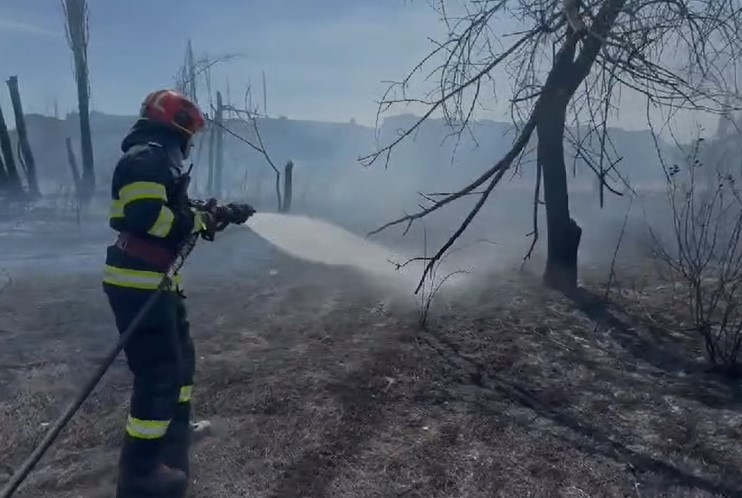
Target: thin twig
column 536, row 203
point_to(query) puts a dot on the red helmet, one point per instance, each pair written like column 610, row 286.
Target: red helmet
column 173, row 109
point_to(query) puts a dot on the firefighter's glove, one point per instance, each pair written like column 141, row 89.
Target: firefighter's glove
column 216, row 217
column 209, row 225
column 239, row 213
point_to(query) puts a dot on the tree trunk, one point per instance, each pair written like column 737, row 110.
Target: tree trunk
column 4, row 181
column 210, row 179
column 278, row 191
column 563, row 233
column 569, row 70
column 14, row 180
column 219, row 163
column 288, row 185
column 26, row 154
column 72, row 160
column 191, row 71
column 76, row 13
column 86, row 139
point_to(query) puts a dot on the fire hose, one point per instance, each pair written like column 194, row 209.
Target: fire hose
column 33, row 459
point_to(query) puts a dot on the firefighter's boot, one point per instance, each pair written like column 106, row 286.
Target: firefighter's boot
column 178, row 440
column 141, row 475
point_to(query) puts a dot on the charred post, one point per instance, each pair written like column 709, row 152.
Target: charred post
column 288, row 185
column 14, row 180
column 4, row 184
column 24, row 146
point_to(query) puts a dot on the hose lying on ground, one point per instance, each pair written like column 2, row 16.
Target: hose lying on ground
column 33, row 459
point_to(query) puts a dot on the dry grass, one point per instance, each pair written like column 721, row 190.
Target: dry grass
column 320, row 387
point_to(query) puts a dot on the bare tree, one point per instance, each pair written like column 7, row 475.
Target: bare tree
column 250, row 115
column 77, row 32
column 565, row 61
column 4, row 179
column 219, row 144
column 186, row 81
column 705, row 253
column 25, row 154
column 193, row 68
column 6, row 147
column 72, row 161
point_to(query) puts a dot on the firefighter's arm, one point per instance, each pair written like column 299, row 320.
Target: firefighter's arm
column 142, row 197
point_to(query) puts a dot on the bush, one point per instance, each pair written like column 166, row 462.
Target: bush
column 706, row 253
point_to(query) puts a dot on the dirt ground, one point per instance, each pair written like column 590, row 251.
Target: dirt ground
column 321, row 386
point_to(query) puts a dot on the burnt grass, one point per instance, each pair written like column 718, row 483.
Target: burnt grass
column 317, row 385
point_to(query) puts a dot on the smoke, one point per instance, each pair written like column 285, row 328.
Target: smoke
column 330, row 185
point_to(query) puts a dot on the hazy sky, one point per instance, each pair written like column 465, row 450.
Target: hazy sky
column 324, row 59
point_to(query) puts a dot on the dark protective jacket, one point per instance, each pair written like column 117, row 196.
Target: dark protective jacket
column 149, row 201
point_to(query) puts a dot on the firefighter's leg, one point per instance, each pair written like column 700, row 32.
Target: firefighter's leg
column 154, row 360
column 177, row 440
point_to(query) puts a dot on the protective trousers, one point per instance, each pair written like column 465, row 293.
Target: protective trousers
column 161, row 356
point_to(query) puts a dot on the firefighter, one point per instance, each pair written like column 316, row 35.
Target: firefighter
column 153, row 215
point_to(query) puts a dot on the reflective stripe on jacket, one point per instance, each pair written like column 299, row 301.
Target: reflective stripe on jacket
column 136, row 279
column 148, row 200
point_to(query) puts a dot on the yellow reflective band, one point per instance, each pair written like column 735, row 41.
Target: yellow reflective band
column 163, row 224
column 142, row 190
column 185, row 394
column 198, row 221
column 146, row 429
column 134, row 279
column 117, row 209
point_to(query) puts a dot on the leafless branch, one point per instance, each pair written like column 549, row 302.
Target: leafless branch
column 496, row 171
column 250, row 117
column 202, row 66
column 425, row 311
column 680, row 55
column 371, row 158
column 706, row 252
